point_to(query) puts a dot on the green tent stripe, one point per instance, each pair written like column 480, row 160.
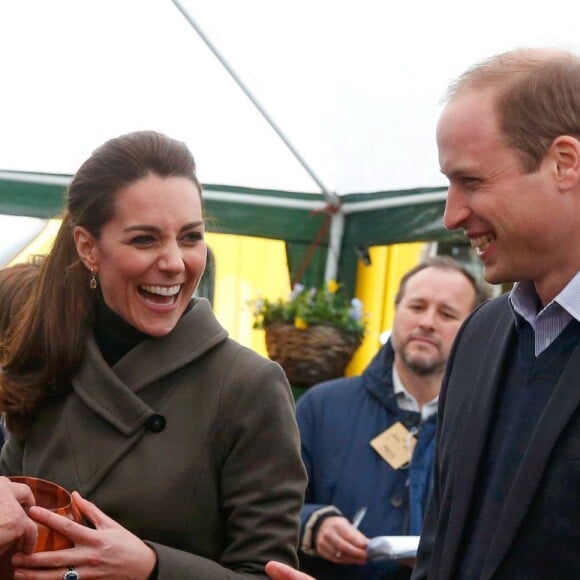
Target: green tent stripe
column 375, row 218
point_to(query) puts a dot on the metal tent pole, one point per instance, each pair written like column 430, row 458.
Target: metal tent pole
column 330, row 197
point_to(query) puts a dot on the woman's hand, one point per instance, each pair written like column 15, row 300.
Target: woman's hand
column 108, row 551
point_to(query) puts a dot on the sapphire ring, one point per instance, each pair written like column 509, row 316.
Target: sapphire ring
column 72, row 574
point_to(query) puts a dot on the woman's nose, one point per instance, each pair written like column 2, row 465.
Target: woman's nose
column 171, row 259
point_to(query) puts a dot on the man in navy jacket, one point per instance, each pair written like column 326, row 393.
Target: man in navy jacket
column 395, row 396
column 505, row 503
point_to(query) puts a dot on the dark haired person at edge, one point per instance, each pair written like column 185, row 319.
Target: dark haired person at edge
column 121, row 386
column 17, row 283
column 505, row 503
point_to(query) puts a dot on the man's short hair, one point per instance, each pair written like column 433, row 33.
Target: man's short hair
column 443, row 263
column 537, row 98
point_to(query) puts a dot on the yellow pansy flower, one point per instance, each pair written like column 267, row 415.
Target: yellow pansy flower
column 300, row 323
column 332, row 286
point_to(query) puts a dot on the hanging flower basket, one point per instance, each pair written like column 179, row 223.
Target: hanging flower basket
column 312, row 334
column 308, row 356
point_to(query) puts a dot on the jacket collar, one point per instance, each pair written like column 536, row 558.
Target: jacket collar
column 112, row 392
column 378, row 381
column 378, row 376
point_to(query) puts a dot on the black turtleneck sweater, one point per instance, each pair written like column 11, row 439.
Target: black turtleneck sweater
column 114, row 335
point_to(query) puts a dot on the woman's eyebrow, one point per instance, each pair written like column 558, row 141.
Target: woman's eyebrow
column 149, row 228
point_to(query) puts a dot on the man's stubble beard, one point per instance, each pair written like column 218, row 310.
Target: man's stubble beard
column 420, row 365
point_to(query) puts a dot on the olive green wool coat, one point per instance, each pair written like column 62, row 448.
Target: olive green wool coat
column 189, row 441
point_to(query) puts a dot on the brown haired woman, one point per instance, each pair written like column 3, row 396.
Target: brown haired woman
column 121, row 386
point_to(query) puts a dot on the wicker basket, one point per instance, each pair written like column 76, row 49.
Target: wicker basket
column 309, row 356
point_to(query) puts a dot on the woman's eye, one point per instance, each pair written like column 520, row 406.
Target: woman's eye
column 193, row 237
column 142, row 240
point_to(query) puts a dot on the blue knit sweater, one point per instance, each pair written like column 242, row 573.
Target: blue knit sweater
column 526, row 387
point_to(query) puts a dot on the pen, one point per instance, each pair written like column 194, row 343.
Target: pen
column 358, row 517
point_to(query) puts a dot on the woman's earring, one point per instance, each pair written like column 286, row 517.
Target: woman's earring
column 93, row 280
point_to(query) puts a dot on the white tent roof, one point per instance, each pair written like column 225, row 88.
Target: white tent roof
column 355, row 86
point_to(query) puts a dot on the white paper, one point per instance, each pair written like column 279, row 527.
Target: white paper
column 392, row 547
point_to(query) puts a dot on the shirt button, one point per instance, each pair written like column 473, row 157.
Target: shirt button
column 156, row 423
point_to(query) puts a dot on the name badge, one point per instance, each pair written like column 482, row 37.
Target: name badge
column 395, row 445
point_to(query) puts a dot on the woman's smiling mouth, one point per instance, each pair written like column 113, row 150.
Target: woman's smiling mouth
column 160, row 295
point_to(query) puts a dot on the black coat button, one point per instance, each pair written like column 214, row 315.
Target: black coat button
column 156, row 423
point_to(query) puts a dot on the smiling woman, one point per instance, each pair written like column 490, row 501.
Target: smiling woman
column 230, row 276
column 115, row 371
column 148, row 262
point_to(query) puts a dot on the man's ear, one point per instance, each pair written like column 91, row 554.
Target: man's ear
column 565, row 151
column 86, row 247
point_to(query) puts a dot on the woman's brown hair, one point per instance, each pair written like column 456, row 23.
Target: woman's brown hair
column 47, row 348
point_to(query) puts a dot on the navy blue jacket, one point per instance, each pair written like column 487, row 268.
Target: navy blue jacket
column 337, row 420
column 537, row 536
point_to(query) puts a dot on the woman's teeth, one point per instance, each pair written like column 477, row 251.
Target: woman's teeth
column 162, row 290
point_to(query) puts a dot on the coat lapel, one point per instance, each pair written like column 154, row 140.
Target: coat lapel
column 468, row 444
column 197, row 332
column 119, row 398
column 122, row 413
column 563, row 402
